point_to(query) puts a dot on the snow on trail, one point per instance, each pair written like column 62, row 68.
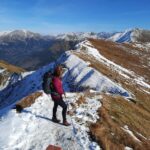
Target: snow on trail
column 84, row 114
column 34, row 130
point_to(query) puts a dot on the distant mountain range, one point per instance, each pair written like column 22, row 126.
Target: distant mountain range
column 131, row 35
column 31, row 50
column 79, row 36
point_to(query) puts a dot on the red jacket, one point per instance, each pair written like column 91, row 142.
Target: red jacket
column 58, row 87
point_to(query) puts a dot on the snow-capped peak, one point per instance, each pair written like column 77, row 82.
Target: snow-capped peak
column 83, row 35
column 76, row 36
column 131, row 35
column 2, row 33
column 24, row 33
column 19, row 34
column 120, row 37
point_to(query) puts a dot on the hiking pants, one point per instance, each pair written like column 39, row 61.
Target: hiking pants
column 64, row 107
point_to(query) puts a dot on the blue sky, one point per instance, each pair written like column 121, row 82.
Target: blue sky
column 57, row 16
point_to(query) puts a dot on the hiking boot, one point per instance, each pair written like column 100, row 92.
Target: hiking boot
column 66, row 123
column 55, row 120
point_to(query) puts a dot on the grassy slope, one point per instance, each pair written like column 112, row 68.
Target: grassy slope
column 10, row 68
column 116, row 112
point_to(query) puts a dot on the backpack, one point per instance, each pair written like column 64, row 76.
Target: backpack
column 47, row 84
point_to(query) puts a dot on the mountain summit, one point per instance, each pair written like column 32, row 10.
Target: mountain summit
column 132, row 35
column 21, row 34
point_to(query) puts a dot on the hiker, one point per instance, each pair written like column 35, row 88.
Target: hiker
column 57, row 95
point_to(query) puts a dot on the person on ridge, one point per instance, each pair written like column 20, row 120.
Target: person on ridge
column 57, row 95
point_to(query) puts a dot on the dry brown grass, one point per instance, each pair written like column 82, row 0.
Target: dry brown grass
column 122, row 54
column 10, row 67
column 27, row 101
column 81, row 100
column 141, row 97
column 114, row 114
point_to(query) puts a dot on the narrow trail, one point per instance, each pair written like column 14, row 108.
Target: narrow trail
column 33, row 129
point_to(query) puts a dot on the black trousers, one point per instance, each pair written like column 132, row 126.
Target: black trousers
column 64, row 107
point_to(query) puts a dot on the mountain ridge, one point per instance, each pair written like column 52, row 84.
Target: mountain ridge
column 108, row 96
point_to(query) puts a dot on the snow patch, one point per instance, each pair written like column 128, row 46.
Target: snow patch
column 124, row 72
column 130, row 132
column 80, row 76
column 128, row 148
